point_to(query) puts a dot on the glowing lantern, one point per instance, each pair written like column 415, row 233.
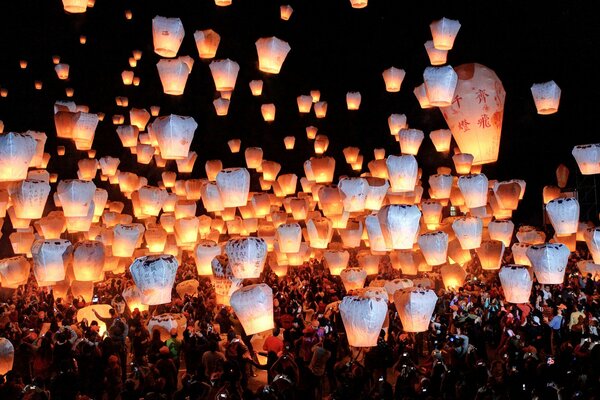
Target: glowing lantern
column 224, row 73
column 154, row 276
column 174, row 73
column 29, row 198
column 432, row 213
column 14, row 271
column 453, row 276
column 207, row 42
column 76, row 196
column 285, row 12
column 474, row 189
column 546, row 97
column 353, row 278
column 221, row 106
column 234, row 185
column 88, row 260
column 320, row 232
column 256, row 87
column 415, row 307
column 289, row 142
column 174, row 134
column 336, row 260
column 253, row 305
column 186, row 230
column 354, row 193
column 247, row 256
column 321, row 144
column 441, row 140
column 440, row 186
column 353, row 100
column 369, row 262
column 592, row 239
column 49, row 259
column 320, row 170
column 436, row 56
column 562, row 175
column 359, row 3
column 468, row 231
column 363, row 317
column 289, row 237
column 72, row 7
column 21, row 242
column 156, row 239
column 516, row 281
column 351, row 234
column 320, row 109
column 311, row 132
column 126, row 238
column 549, row 261
column 212, row 168
column 463, row 163
column 529, row 235
column 167, row 34
column 188, row 287
column 481, row 109
column 444, row 33
column 396, row 122
column 440, row 84
column 501, row 230
column 399, row 225
column 507, row 195
column 564, row 215
column 588, row 158
column 128, row 135
column 402, row 172
column 254, row 157
column 268, row 112
column 271, row 54
column 434, row 247
column 490, row 254
column 550, row 193
column 164, row 323
column 410, row 140
column 393, row 78
column 16, row 152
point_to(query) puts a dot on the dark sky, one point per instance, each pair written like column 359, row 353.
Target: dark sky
column 335, row 49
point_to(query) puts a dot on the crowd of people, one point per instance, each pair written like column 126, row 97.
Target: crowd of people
column 477, row 346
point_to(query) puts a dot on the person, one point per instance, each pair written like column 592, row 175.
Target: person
column 317, row 366
column 212, row 360
column 174, row 345
column 273, row 345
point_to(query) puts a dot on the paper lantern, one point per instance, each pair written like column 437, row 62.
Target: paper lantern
column 397, row 122
column 164, row 323
column 221, row 106
column 475, row 115
column 353, row 278
column 174, row 74
column 369, row 262
column 72, row 7
column 359, row 3
column 440, row 186
column 21, row 242
column 564, row 215
column 271, row 54
column 393, row 78
column 29, row 198
column 224, row 73
column 188, row 287
column 76, row 196
column 530, row 235
column 14, row 271
column 441, row 139
column 256, row 87
column 253, row 306
column 204, row 252
column 16, row 152
column 394, row 285
column 444, row 33
column 549, row 261
column 562, row 175
column 320, row 170
column 516, row 281
column 434, row 246
column 156, row 239
column 463, row 162
column 474, row 189
column 353, row 100
column 320, row 232
column 468, row 231
column 410, row 140
column 351, row 234
column 490, row 254
column 126, row 238
column 289, row 142
column 89, row 315
column 268, row 112
column 207, row 42
column 234, row 185
column 440, row 84
column 592, row 239
column 128, row 135
column 247, row 256
column 402, row 172
column 336, row 260
column 501, row 230
column 154, row 276
column 363, row 317
column 88, row 260
column 546, row 97
column 7, row 356
column 588, row 158
column 507, row 195
column 320, row 109
column 550, row 193
column 49, row 259
column 254, row 157
column 186, row 230
column 133, row 298
column 174, row 135
column 311, row 132
column 453, row 276
column 354, row 193
column 415, row 307
column 285, row 12
column 436, row 56
column 399, row 225
column 223, row 280
column 289, row 237
column 167, row 34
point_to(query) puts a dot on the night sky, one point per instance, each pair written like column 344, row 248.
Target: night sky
column 335, row 49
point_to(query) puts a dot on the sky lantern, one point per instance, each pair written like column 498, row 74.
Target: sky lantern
column 353, row 100
column 211, row 197
column 289, row 142
column 453, row 276
column 14, row 271
column 490, row 253
column 444, row 33
column 549, row 261
column 84, row 129
column 62, row 71
column 234, row 185
column 271, row 54
column 128, row 135
column 441, row 139
column 546, row 97
column 174, row 73
column 50, row 259
column 432, row 213
column 564, row 215
column 353, row 278
column 207, row 42
column 463, row 163
column 224, row 73
column 29, row 198
column 516, row 281
column 285, row 12
column 174, row 134
column 354, row 193
column 474, row 189
column 436, row 56
column 221, row 106
column 588, row 158
column 368, row 262
column 320, row 109
column 434, row 246
column 16, row 152
column 410, row 140
column 154, row 276
column 167, row 34
column 468, row 231
column 7, row 356
column 223, row 3
column 359, row 3
column 440, row 84
column 320, row 232
column 247, row 256
column 256, row 87
column 397, row 122
column 592, row 239
column 440, row 186
column 476, row 112
column 507, row 194
column 254, row 157
column 402, row 172
column 399, row 225
column 268, row 112
column 212, row 168
column 336, row 260
column 156, row 239
column 415, row 307
column 393, row 78
column 289, row 237
column 88, row 260
column 76, row 196
column 501, row 230
column 320, row 169
column 562, row 175
column 166, row 322
column 363, row 317
column 126, row 238
column 253, row 305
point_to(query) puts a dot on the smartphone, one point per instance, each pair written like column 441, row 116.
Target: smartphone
column 95, row 299
column 550, row 360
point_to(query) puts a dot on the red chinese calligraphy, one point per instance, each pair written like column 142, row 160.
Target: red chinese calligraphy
column 481, row 96
column 484, row 121
column 464, row 125
column 457, row 100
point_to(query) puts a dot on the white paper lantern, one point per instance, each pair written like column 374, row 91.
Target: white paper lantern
column 415, row 307
column 402, row 172
column 207, row 42
column 76, row 196
column 353, row 278
column 354, row 193
column 546, row 97
column 393, row 78
column 14, row 271
column 167, row 34
column 516, row 281
column 174, row 74
column 247, row 256
column 188, row 287
column 564, row 215
column 592, row 239
column 410, row 140
column 501, row 230
column 74, row 7
column 88, row 260
column 444, row 33
column 164, row 323
column 336, row 260
column 154, row 276
column 16, row 152
column 271, row 54
column 441, row 139
column 474, row 189
column 434, row 246
column 289, row 237
column 174, row 134
column 588, row 158
column 126, row 239
column 363, row 318
column 549, row 262
column 50, row 259
column 440, row 84
column 453, row 276
column 468, row 231
column 234, row 185
column 7, row 356
column 490, row 254
column 399, row 225
column 253, row 305
column 436, row 56
column 133, row 298
column 394, row 285
column 224, row 73
column 204, row 252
